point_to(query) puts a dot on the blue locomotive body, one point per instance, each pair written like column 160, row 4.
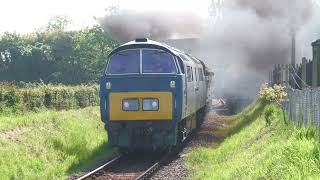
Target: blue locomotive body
column 151, row 95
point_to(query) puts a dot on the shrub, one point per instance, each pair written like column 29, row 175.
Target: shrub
column 86, row 96
column 268, row 114
column 32, row 97
column 269, row 95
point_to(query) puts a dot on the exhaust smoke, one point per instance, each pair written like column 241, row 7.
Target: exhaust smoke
column 126, row 25
column 241, row 46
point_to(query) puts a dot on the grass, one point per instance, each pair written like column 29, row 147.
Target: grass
column 51, row 144
column 259, row 151
column 237, row 122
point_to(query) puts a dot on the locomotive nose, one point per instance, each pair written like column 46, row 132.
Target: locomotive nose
column 140, row 106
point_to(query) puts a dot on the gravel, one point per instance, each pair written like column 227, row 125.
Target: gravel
column 177, row 169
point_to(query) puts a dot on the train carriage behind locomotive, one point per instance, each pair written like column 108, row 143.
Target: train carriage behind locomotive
column 151, row 95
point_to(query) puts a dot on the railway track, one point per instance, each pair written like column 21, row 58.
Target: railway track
column 137, row 166
column 133, row 166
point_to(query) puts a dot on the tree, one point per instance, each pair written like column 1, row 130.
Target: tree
column 55, row 55
column 92, row 47
column 58, row 23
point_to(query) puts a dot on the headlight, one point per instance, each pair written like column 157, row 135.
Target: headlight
column 130, row 105
column 108, row 85
column 150, row 104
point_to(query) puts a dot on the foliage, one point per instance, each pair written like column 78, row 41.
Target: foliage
column 276, row 93
column 277, row 151
column 269, row 114
column 58, row 23
column 33, row 97
column 51, row 144
column 55, row 55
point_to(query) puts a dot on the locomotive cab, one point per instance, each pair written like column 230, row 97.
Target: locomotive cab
column 143, row 95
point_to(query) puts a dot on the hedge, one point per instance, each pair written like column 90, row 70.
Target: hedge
column 35, row 97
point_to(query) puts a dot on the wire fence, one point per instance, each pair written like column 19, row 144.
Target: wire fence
column 303, row 106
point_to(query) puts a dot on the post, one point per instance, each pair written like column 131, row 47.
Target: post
column 271, row 78
column 304, row 72
column 282, row 74
column 286, row 74
column 315, row 63
column 276, row 74
column 293, row 48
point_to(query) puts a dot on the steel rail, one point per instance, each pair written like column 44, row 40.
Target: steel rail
column 145, row 174
column 104, row 166
column 149, row 172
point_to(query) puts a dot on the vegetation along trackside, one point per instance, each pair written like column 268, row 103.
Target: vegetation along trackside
column 51, row 144
column 268, row 148
column 34, row 97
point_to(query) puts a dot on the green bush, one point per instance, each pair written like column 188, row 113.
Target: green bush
column 10, row 97
column 86, row 96
column 31, row 97
column 268, row 114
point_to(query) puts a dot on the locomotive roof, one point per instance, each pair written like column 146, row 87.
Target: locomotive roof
column 147, row 43
column 316, row 43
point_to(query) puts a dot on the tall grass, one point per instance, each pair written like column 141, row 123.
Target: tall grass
column 50, row 144
column 259, row 151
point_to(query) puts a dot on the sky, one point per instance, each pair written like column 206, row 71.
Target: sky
column 25, row 16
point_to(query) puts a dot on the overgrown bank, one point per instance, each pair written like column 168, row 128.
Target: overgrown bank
column 258, row 151
column 50, row 144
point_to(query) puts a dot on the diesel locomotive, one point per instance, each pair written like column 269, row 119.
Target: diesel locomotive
column 152, row 96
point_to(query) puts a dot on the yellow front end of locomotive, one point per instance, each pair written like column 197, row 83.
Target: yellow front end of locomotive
column 117, row 112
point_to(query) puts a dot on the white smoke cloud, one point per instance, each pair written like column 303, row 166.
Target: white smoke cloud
column 243, row 44
column 252, row 36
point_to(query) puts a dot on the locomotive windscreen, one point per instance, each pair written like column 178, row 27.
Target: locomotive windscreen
column 124, row 62
column 157, row 61
column 153, row 61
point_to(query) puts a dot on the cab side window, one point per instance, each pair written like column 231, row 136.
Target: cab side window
column 180, row 63
column 196, row 74
column 189, row 74
column 201, row 78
